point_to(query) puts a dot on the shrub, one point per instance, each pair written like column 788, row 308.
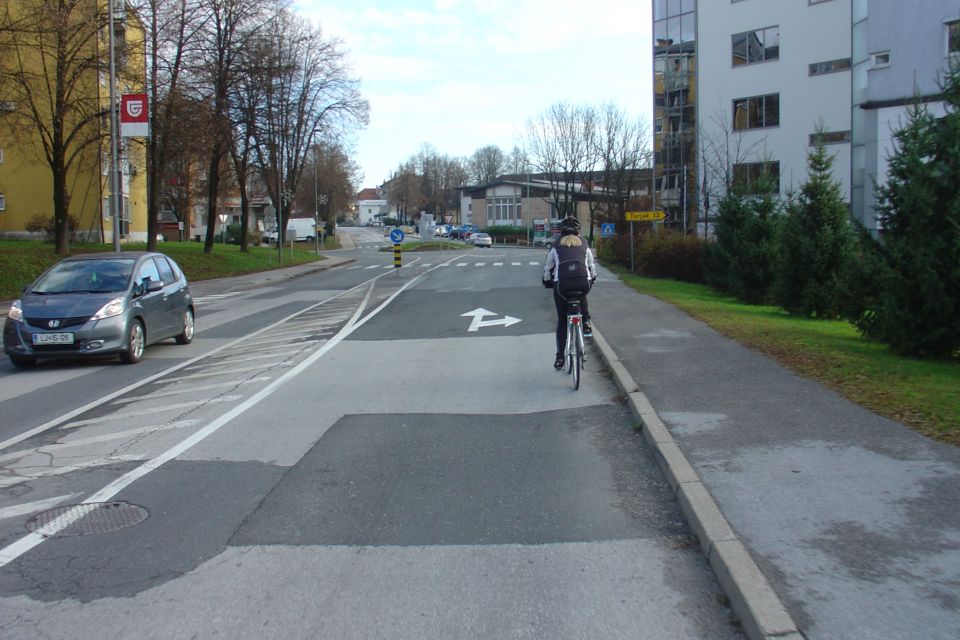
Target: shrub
column 40, row 223
column 670, row 254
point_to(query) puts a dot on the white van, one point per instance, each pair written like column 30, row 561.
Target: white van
column 299, row 229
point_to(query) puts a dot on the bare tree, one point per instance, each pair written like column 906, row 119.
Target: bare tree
column 227, row 25
column 170, row 27
column 329, row 172
column 309, row 94
column 721, row 152
column 624, row 147
column 486, row 164
column 49, row 83
column 561, row 143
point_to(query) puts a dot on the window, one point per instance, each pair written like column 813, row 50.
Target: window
column 756, row 112
column 880, row 60
column 953, row 38
column 748, row 173
column 830, row 137
column 1, row 156
column 3, row 202
column 756, row 46
column 830, row 66
column 503, row 210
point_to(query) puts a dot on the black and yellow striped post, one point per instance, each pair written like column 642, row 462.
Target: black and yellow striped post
column 396, row 256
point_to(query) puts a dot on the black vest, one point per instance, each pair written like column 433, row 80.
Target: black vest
column 571, row 273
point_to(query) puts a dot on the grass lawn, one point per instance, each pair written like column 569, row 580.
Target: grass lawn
column 21, row 261
column 924, row 395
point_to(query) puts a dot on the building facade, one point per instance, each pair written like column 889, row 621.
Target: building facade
column 675, row 114
column 371, row 206
column 26, row 181
column 772, row 75
column 890, row 73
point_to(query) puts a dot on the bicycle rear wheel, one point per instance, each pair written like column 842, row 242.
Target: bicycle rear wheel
column 571, row 336
column 577, row 357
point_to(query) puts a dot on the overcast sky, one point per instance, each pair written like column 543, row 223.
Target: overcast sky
column 462, row 74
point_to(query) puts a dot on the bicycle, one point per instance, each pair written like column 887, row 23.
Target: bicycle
column 574, row 350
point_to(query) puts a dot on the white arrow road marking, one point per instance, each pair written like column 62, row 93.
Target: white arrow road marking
column 478, row 320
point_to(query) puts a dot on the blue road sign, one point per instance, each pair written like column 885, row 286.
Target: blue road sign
column 396, row 236
column 606, row 230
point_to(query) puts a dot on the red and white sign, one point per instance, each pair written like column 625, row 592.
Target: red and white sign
column 134, row 115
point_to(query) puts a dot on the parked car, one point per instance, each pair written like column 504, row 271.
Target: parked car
column 100, row 304
column 546, row 241
column 481, row 240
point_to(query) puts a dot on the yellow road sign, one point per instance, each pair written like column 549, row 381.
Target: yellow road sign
column 637, row 216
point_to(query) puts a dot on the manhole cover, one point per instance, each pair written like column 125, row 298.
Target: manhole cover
column 87, row 519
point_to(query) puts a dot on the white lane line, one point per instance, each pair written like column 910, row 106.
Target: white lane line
column 106, row 437
column 373, row 266
column 461, row 264
column 534, row 264
column 16, row 549
column 35, row 506
column 515, row 264
column 151, row 410
column 389, row 266
column 480, row 264
column 498, row 264
column 10, row 481
column 192, row 389
column 50, row 424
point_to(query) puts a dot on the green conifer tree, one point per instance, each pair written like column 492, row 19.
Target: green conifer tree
column 918, row 307
column 814, row 242
column 740, row 261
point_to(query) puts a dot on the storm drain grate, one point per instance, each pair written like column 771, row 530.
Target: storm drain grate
column 87, row 519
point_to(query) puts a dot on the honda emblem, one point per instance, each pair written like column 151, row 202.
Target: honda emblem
column 53, row 324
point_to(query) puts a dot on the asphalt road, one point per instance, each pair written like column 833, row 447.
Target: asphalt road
column 347, row 455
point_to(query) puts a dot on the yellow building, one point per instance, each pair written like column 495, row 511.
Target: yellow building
column 26, row 177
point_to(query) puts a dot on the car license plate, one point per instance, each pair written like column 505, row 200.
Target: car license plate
column 53, row 338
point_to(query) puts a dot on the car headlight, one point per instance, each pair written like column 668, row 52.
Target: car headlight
column 113, row 308
column 16, row 311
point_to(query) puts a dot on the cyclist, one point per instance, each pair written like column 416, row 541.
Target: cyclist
column 569, row 267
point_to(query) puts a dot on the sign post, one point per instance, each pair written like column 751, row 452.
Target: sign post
column 396, row 236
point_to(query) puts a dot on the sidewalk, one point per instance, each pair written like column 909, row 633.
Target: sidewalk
column 818, row 517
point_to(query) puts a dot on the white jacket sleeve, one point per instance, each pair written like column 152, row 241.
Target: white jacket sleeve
column 591, row 265
column 550, row 264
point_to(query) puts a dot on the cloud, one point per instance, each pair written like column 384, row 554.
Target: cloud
column 461, row 74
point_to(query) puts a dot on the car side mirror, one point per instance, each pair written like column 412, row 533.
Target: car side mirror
column 154, row 285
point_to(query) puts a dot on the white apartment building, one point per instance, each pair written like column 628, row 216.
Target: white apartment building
column 770, row 73
column 892, row 70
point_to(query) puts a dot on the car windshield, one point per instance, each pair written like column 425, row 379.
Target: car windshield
column 86, row 276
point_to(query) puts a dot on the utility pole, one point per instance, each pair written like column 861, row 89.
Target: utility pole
column 116, row 181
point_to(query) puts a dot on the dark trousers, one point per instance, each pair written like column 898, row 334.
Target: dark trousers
column 561, row 305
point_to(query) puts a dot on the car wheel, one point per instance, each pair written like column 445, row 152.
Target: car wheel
column 136, row 339
column 22, row 363
column 309, row 239
column 186, row 336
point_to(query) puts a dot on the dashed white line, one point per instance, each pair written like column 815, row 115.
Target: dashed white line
column 35, row 506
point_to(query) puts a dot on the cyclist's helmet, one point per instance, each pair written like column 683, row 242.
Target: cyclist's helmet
column 569, row 226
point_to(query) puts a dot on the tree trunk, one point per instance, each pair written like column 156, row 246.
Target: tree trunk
column 213, row 191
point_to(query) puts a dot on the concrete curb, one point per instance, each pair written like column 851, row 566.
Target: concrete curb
column 760, row 610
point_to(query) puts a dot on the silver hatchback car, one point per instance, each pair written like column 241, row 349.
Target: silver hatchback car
column 100, row 304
